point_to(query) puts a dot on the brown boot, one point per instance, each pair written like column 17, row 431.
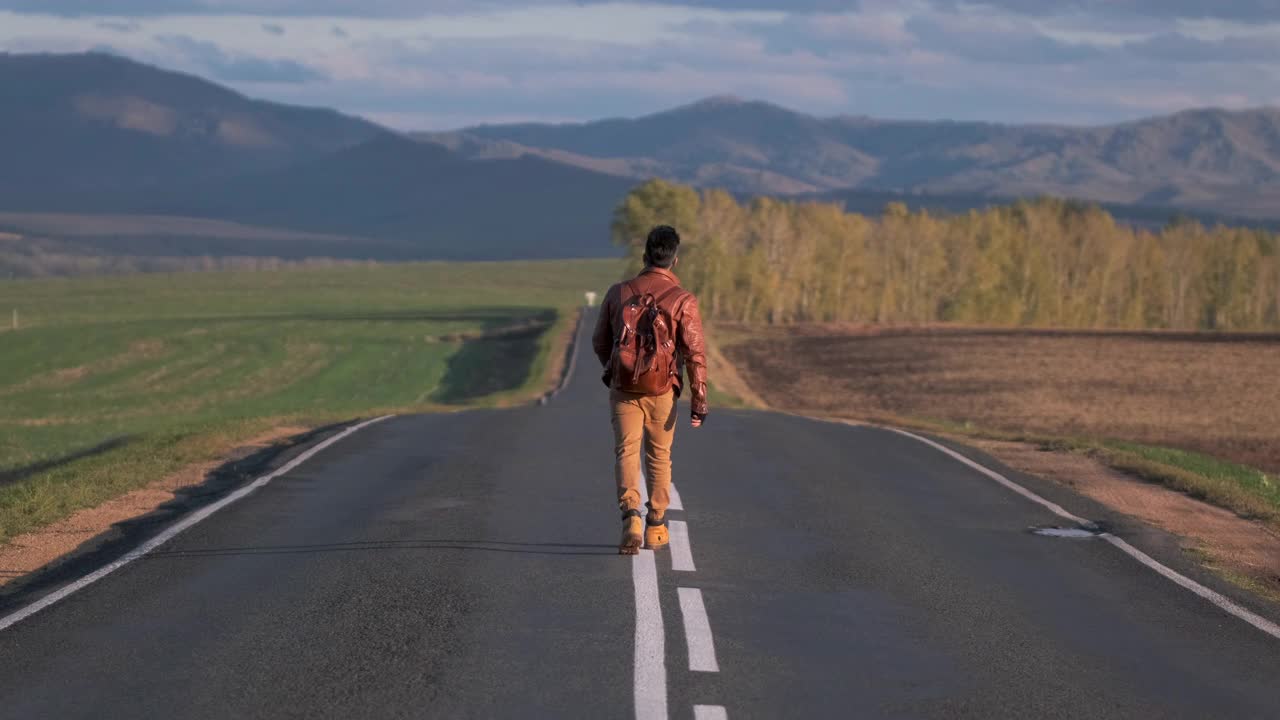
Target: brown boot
column 655, row 534
column 632, row 533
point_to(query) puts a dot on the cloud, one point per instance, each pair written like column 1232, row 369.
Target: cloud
column 224, row 66
column 1238, row 10
column 547, row 77
column 267, row 8
column 379, row 8
column 468, row 62
column 822, row 34
column 1243, row 11
column 1177, row 47
column 1013, row 42
column 118, row 26
column 1234, row 10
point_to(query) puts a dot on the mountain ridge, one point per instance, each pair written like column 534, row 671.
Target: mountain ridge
column 74, row 123
column 449, row 207
column 1204, row 159
column 91, row 134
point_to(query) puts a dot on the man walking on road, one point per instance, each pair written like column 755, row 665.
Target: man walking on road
column 648, row 331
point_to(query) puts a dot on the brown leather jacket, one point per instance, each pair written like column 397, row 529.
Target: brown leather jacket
column 691, row 350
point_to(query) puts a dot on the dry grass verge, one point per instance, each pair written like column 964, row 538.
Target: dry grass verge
column 33, row 550
column 726, row 384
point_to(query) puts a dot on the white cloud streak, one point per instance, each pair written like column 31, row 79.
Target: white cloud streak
column 918, row 58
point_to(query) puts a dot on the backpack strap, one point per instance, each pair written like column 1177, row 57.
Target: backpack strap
column 621, row 335
column 668, row 293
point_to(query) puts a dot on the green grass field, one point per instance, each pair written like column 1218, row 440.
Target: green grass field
column 111, row 383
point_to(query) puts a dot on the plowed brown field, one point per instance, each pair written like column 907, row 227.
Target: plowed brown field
column 1216, row 394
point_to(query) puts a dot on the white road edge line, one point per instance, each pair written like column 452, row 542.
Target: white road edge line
column 174, row 529
column 681, row 550
column 710, row 712
column 574, row 342
column 1053, row 507
column 651, row 650
column 1218, row 599
column 697, row 631
column 1221, row 601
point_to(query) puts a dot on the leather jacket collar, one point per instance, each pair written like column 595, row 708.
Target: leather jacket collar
column 663, row 272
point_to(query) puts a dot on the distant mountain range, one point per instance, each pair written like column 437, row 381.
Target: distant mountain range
column 441, row 204
column 1217, row 161
column 97, row 134
column 74, row 124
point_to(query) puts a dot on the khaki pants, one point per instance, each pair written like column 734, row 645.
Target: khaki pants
column 651, row 421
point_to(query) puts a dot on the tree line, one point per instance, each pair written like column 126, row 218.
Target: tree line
column 1044, row 262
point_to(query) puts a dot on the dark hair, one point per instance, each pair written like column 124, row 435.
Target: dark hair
column 660, row 249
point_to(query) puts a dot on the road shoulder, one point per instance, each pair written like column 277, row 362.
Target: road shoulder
column 1243, row 551
column 35, row 563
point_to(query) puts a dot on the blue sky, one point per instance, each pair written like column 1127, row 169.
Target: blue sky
column 436, row 64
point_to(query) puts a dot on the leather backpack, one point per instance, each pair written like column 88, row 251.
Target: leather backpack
column 644, row 352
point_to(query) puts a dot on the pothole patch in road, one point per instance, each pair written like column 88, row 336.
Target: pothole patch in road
column 1078, row 531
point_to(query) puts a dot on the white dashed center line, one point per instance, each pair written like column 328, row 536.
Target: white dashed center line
column 650, row 689
column 697, row 631
column 681, row 550
column 651, row 650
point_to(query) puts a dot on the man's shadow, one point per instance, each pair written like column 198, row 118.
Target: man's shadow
column 382, row 545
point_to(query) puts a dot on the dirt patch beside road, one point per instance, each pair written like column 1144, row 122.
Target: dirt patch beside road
column 34, row 550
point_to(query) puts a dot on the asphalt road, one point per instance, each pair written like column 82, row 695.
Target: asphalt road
column 465, row 566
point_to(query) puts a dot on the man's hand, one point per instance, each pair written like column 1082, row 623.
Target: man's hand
column 696, row 421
